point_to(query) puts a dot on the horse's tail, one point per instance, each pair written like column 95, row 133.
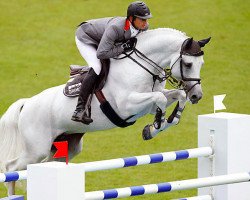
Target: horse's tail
column 11, row 143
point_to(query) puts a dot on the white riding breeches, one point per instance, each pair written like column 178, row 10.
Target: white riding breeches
column 88, row 52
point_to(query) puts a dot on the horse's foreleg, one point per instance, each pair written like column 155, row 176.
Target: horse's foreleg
column 145, row 102
column 172, row 96
column 160, row 123
column 175, row 95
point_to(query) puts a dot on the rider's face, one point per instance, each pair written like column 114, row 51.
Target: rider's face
column 140, row 24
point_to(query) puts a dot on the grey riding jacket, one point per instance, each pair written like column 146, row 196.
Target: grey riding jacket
column 106, row 34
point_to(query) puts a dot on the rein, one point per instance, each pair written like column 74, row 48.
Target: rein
column 166, row 73
column 153, row 64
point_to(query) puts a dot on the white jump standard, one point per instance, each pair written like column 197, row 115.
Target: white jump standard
column 228, row 134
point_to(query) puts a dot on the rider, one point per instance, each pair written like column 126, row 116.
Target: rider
column 103, row 39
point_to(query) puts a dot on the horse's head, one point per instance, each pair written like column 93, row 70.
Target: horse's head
column 186, row 68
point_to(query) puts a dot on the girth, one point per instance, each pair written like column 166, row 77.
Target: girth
column 110, row 112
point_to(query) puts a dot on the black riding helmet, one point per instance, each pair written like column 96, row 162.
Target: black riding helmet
column 139, row 9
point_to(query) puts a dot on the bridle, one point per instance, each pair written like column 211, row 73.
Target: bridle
column 184, row 79
column 166, row 74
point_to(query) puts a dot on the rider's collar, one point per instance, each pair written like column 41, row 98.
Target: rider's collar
column 133, row 30
column 127, row 25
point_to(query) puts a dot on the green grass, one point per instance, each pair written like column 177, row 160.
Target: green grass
column 37, row 46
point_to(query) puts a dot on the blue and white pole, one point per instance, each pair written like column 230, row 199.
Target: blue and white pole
column 124, row 162
column 167, row 187
column 147, row 159
column 13, row 176
column 204, row 197
column 13, row 197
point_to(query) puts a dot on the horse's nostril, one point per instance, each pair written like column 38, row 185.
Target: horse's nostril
column 194, row 97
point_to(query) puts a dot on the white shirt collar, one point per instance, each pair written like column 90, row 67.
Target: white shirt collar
column 133, row 30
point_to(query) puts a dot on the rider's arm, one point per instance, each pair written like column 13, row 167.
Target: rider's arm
column 107, row 47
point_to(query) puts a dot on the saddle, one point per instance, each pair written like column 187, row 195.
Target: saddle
column 73, row 86
column 78, row 73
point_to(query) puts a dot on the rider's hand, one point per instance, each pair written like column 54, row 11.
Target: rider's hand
column 129, row 44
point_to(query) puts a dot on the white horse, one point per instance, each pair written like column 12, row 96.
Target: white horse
column 30, row 126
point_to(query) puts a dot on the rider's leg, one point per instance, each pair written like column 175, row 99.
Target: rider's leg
column 81, row 113
column 88, row 52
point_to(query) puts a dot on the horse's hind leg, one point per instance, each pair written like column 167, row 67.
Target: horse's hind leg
column 36, row 148
column 11, row 188
column 34, row 152
column 21, row 164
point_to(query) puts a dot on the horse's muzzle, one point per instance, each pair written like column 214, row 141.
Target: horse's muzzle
column 193, row 91
column 195, row 98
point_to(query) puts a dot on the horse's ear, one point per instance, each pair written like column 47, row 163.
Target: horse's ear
column 189, row 43
column 203, row 42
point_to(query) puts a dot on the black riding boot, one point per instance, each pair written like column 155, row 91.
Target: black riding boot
column 81, row 112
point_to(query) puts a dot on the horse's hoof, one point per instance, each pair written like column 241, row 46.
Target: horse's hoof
column 146, row 134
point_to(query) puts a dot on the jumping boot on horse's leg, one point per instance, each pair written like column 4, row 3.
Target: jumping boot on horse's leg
column 81, row 112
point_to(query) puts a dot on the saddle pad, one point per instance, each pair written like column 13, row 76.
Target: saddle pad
column 72, row 87
column 78, row 73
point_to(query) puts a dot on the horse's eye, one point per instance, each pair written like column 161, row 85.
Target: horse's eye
column 188, row 65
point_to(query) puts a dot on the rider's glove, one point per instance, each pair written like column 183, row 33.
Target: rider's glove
column 129, row 44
